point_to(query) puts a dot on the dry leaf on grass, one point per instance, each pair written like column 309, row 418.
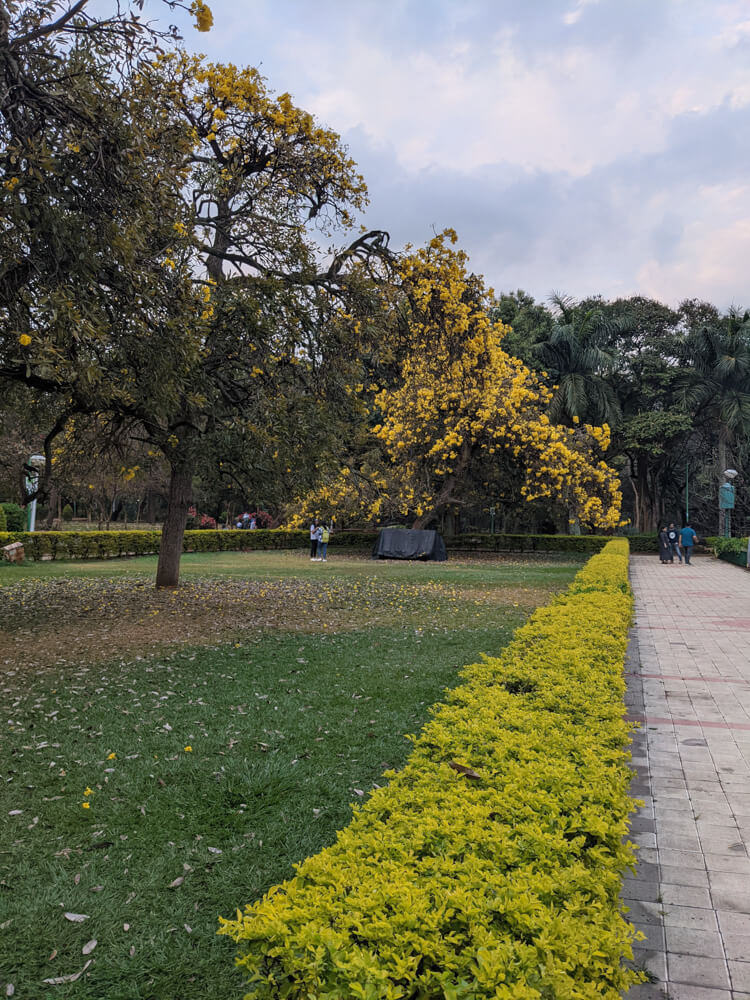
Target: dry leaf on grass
column 72, row 978
column 76, row 918
column 89, row 946
column 177, row 882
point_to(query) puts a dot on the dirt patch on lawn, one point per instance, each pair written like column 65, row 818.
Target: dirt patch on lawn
column 77, row 619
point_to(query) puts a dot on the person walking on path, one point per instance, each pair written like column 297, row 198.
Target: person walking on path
column 674, row 542
column 688, row 538
column 665, row 549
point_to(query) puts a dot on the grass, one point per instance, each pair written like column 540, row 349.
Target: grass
column 212, row 767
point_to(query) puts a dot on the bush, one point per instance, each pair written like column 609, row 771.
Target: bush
column 3, row 519
column 491, row 865
column 526, row 543
column 67, row 512
column 733, row 550
column 14, row 516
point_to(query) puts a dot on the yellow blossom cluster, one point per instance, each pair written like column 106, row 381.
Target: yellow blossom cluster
column 461, row 396
column 204, row 19
column 250, row 132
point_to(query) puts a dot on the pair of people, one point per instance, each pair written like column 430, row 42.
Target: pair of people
column 246, row 521
column 673, row 543
column 320, row 535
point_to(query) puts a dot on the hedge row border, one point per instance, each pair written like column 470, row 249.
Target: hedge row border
column 490, row 866
column 116, row 544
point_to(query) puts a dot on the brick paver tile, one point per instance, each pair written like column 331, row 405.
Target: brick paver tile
column 689, row 688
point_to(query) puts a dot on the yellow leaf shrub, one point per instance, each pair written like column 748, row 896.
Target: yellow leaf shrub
column 502, row 886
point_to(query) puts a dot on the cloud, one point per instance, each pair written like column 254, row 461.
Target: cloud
column 592, row 146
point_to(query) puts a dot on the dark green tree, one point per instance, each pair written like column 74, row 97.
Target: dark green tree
column 578, row 359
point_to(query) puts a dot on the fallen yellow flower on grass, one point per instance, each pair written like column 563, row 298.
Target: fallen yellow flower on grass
column 86, row 805
column 188, row 749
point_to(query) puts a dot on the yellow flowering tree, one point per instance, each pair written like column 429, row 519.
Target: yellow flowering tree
column 159, row 252
column 263, row 184
column 460, row 411
column 90, row 320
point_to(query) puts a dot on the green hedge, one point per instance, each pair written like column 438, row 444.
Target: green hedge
column 490, row 867
column 526, row 543
column 111, row 544
column 733, row 550
column 108, row 544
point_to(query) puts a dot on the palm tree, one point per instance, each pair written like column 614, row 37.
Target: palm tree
column 577, row 358
column 716, row 386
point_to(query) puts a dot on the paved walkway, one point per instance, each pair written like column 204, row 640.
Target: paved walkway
column 689, row 686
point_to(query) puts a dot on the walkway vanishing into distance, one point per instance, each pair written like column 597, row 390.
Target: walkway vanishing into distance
column 689, row 687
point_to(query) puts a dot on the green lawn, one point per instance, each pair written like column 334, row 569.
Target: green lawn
column 213, row 766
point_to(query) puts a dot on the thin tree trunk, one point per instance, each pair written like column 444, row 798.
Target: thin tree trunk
column 53, row 503
column 173, row 532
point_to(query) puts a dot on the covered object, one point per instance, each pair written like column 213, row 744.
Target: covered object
column 400, row 543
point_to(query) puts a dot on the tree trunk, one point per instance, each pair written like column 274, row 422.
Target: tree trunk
column 53, row 503
column 173, row 531
column 645, row 501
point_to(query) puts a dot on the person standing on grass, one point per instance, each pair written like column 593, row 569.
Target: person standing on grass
column 665, row 549
column 325, row 534
column 688, row 538
column 319, row 537
column 314, row 540
column 674, row 542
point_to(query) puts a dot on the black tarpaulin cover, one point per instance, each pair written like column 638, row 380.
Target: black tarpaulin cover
column 400, row 543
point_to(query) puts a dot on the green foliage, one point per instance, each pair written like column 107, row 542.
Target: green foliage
column 491, row 865
column 67, row 512
column 733, row 550
column 113, row 544
column 3, row 519
column 526, row 543
column 14, row 516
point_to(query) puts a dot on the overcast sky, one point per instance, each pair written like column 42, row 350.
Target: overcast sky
column 587, row 146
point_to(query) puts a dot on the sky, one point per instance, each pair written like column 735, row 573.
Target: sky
column 580, row 147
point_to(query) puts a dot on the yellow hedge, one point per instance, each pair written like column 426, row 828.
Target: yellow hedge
column 499, row 883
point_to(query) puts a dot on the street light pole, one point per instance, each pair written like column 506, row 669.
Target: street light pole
column 32, row 480
column 726, row 501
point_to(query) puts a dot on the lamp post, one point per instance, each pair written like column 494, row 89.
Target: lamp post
column 35, row 463
column 726, row 501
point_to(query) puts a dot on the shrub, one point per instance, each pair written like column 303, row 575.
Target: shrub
column 491, row 865
column 3, row 519
column 67, row 512
column 733, row 550
column 14, row 516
